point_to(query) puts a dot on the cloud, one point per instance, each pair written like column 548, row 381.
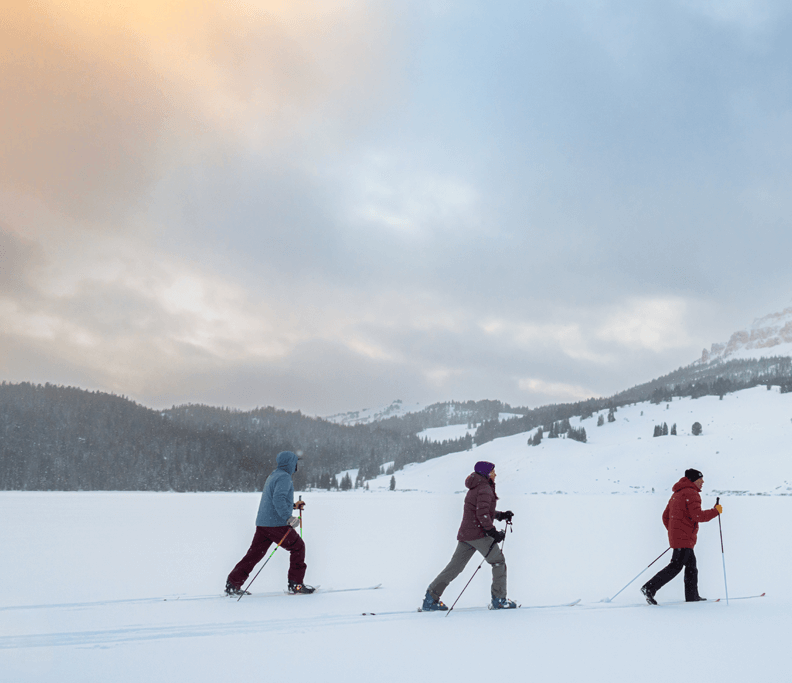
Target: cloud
column 101, row 99
column 555, row 391
column 655, row 325
column 524, row 202
column 19, row 257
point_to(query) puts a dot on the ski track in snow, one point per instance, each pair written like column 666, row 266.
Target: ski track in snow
column 178, row 598
column 125, row 635
column 290, row 626
column 282, row 626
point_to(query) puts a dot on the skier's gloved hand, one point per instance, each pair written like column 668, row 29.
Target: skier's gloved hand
column 504, row 516
column 293, row 522
column 719, row 509
column 299, row 505
column 497, row 535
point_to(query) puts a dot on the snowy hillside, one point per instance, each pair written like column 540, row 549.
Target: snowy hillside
column 368, row 415
column 745, row 448
column 767, row 336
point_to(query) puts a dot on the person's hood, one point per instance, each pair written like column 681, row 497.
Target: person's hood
column 475, row 479
column 287, row 461
column 684, row 483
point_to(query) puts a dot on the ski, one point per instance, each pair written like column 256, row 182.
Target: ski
column 272, row 594
column 340, row 590
column 470, row 609
column 670, row 603
column 743, row 597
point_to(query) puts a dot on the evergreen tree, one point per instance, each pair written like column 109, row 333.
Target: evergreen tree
column 392, row 483
column 673, row 429
column 578, row 434
column 665, row 429
column 696, row 429
column 601, row 420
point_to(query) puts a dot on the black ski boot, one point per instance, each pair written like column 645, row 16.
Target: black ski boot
column 649, row 594
column 698, row 599
column 502, row 603
column 300, row 588
column 430, row 604
column 232, row 591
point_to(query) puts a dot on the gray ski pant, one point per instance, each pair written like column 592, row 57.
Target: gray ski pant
column 464, row 551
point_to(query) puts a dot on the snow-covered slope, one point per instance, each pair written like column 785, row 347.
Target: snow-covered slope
column 745, row 448
column 367, row 415
column 767, row 336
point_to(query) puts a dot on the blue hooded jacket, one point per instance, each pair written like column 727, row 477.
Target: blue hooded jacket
column 277, row 500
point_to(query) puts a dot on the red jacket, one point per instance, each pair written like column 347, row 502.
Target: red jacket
column 479, row 513
column 683, row 514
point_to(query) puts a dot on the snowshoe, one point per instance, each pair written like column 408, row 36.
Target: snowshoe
column 232, row 591
column 502, row 603
column 432, row 605
column 649, row 594
column 300, row 588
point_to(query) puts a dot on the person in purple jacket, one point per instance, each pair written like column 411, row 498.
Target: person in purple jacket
column 476, row 533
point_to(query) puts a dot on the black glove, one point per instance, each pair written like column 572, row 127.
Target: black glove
column 504, row 516
column 497, row 535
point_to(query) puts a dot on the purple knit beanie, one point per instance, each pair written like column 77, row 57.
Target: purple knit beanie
column 484, row 468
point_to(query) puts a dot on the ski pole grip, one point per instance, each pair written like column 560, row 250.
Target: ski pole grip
column 717, row 500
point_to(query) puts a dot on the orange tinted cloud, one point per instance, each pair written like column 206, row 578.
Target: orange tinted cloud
column 99, row 97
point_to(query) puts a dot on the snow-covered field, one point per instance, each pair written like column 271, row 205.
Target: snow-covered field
column 127, row 586
column 84, row 579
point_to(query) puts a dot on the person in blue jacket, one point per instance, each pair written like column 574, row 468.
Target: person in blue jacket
column 275, row 524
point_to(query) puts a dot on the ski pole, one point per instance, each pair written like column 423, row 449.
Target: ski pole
column 492, row 545
column 508, row 524
column 642, row 571
column 301, row 507
column 264, row 565
column 723, row 555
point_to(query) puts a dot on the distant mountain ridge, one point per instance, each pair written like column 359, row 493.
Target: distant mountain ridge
column 769, row 335
column 368, row 415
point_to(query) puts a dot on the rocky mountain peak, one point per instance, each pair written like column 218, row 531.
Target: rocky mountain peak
column 770, row 335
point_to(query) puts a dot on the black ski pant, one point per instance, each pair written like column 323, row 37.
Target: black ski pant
column 681, row 558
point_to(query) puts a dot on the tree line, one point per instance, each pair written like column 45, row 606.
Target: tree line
column 63, row 438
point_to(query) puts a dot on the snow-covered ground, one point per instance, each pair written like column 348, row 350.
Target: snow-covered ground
column 451, row 432
column 126, row 586
column 447, row 433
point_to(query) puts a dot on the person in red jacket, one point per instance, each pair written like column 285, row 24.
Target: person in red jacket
column 681, row 517
column 476, row 533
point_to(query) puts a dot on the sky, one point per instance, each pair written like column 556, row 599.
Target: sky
column 328, row 205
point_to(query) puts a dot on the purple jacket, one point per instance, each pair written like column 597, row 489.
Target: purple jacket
column 479, row 513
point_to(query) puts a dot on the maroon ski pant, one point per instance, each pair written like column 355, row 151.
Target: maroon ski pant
column 264, row 537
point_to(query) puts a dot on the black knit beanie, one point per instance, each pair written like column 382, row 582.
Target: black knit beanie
column 693, row 475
